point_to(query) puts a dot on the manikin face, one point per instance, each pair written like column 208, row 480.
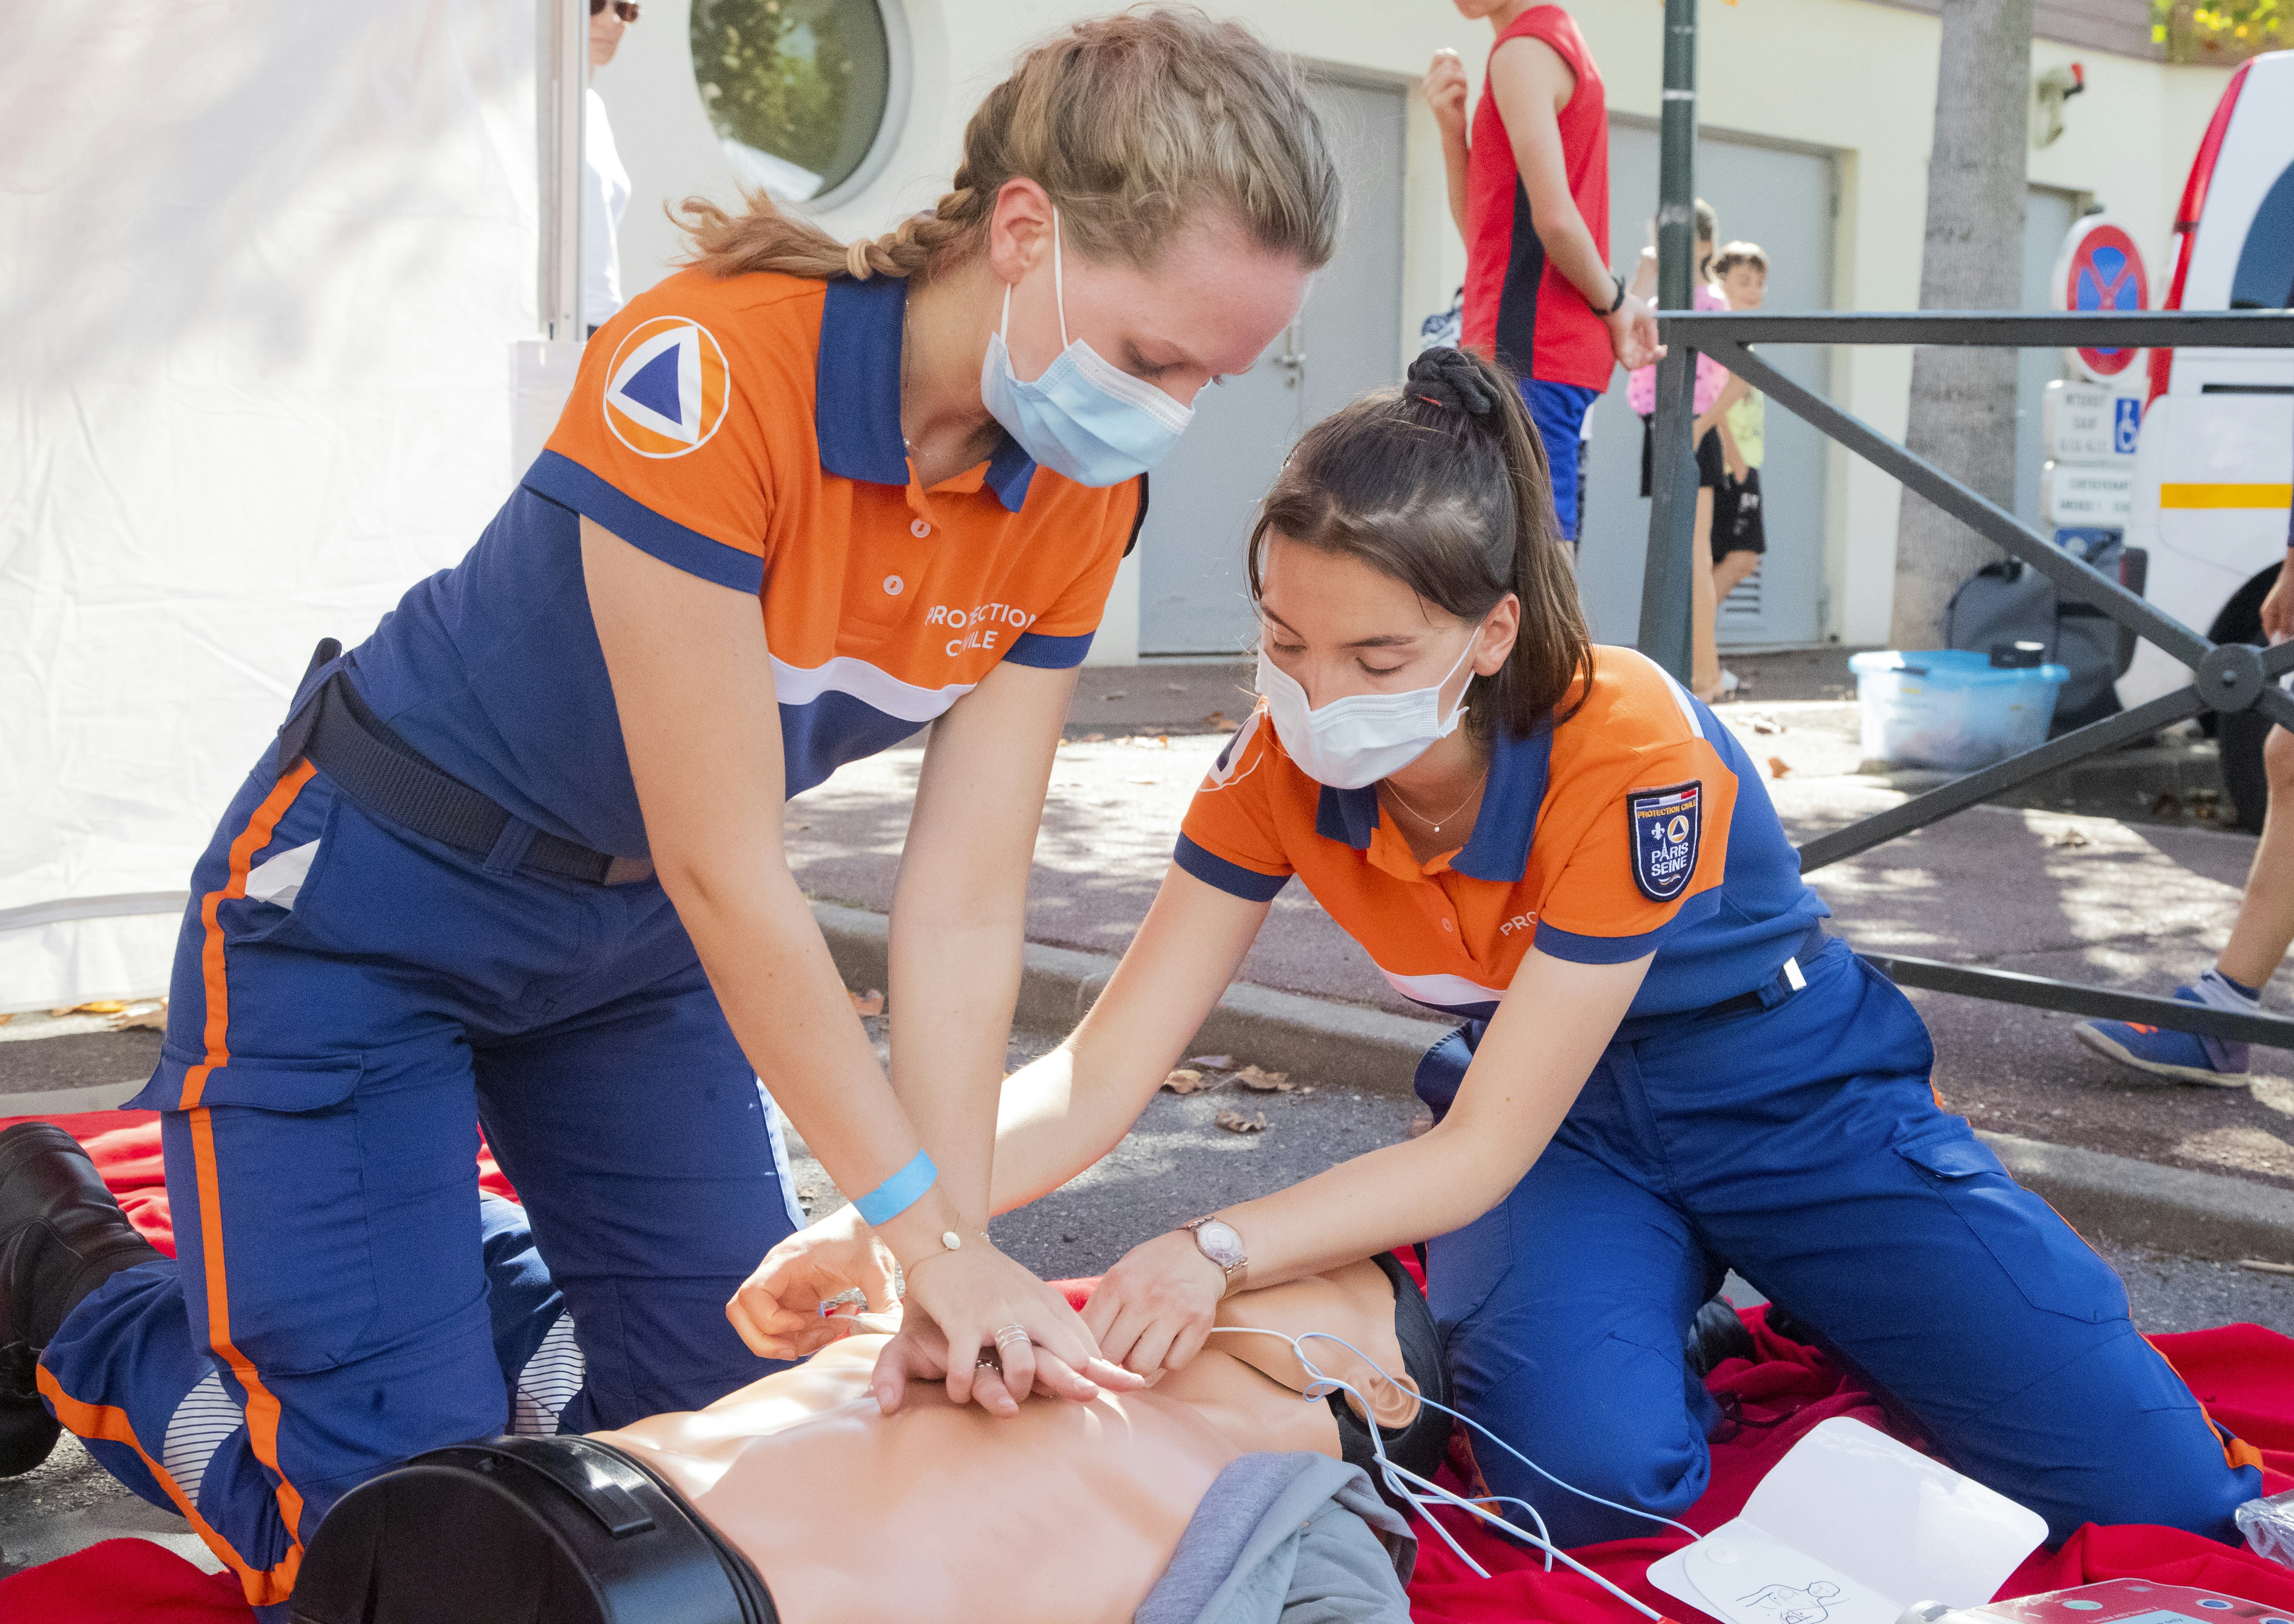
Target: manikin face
column 1208, row 309
column 1746, row 286
column 1337, row 628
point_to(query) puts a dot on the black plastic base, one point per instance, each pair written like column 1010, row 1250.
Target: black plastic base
column 523, row 1530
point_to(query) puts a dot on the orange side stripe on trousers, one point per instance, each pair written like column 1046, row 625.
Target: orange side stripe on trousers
column 103, row 1422
column 262, row 1405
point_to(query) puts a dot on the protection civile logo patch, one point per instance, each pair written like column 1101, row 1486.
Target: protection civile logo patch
column 666, row 387
column 1666, row 825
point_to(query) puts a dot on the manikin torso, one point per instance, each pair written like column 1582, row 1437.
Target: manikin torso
column 1066, row 1513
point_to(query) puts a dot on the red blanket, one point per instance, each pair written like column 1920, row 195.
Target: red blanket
column 2242, row 1374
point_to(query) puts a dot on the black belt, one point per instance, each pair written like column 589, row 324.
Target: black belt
column 332, row 728
column 1745, row 1004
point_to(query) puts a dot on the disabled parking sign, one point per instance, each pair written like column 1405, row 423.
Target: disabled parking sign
column 2100, row 270
column 2125, row 424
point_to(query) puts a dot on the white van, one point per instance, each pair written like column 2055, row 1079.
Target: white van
column 2214, row 465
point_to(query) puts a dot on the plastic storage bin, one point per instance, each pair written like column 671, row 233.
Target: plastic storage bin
column 1951, row 708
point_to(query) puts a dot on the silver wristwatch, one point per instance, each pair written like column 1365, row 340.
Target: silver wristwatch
column 1215, row 1240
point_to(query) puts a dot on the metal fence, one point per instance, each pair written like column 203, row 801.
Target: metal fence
column 2226, row 678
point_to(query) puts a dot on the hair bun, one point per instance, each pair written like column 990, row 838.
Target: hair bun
column 1450, row 378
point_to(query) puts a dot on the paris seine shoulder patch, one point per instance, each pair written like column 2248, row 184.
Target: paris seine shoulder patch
column 1665, row 826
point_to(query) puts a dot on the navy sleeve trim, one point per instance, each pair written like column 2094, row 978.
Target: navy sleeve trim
column 1556, row 943
column 1048, row 654
column 569, row 484
column 1232, row 878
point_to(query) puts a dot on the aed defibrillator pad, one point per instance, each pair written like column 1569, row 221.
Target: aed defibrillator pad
column 1666, row 825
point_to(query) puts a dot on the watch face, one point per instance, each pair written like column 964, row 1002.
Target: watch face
column 1219, row 1243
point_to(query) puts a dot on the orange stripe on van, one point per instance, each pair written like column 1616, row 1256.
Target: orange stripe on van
column 262, row 1405
column 2225, row 496
column 111, row 1425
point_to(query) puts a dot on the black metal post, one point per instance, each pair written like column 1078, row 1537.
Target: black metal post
column 1668, row 590
column 1676, row 182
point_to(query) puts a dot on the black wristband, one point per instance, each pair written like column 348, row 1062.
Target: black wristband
column 1617, row 304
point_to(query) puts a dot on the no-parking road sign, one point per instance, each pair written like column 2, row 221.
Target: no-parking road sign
column 2100, row 270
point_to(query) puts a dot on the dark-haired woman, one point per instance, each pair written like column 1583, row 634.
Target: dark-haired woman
column 1665, row 1069
column 517, row 858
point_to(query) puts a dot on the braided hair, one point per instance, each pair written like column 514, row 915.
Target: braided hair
column 1133, row 125
column 1442, row 483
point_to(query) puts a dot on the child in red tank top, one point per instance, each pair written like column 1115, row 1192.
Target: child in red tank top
column 1529, row 188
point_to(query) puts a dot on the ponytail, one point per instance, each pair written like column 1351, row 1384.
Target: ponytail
column 1442, row 485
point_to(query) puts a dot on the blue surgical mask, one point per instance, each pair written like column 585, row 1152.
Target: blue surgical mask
column 1093, row 422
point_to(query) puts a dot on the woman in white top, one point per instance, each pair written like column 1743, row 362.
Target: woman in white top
column 605, row 183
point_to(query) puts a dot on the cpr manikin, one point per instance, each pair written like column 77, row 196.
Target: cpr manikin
column 1066, row 1513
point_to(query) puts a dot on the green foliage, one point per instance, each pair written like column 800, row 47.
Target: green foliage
column 2221, row 31
column 775, row 75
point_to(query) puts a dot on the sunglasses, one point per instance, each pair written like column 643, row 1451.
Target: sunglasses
column 626, row 10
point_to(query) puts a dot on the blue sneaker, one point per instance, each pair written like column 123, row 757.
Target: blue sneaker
column 2183, row 1056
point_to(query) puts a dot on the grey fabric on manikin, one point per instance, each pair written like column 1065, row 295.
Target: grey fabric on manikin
column 1293, row 1539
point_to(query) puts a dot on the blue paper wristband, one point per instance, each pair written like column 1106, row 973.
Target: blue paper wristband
column 899, row 1193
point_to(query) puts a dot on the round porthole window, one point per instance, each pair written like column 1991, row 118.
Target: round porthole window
column 805, row 95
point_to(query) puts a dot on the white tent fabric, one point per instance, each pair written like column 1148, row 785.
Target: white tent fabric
column 261, row 264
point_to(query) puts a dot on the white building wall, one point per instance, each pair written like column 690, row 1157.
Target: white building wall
column 1847, row 76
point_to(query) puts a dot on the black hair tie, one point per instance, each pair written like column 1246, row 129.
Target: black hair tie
column 1446, row 377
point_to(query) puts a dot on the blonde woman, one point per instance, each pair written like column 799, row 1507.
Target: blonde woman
column 517, row 860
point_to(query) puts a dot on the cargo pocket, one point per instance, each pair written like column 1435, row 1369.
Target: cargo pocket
column 277, row 1170
column 2054, row 1269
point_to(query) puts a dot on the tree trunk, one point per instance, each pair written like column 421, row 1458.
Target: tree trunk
column 1963, row 407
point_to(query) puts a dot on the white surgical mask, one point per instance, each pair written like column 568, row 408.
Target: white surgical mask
column 1092, row 421
column 1360, row 739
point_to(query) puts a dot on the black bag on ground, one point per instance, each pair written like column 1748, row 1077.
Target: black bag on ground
column 2009, row 602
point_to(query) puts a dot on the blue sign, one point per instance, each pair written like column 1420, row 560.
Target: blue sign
column 2127, row 420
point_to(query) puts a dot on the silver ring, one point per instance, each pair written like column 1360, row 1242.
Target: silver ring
column 1010, row 1334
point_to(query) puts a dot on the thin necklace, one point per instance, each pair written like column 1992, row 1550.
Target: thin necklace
column 1435, row 827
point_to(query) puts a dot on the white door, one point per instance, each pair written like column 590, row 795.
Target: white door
column 1784, row 201
column 1193, row 596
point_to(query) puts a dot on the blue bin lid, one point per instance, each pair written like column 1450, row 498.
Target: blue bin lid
column 1961, row 667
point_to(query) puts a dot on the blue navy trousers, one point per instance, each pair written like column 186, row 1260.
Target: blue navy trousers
column 1803, row 1145
column 340, row 1300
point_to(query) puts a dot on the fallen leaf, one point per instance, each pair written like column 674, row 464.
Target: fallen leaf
column 1263, row 1081
column 1212, row 1062
column 1092, row 738
column 2070, row 837
column 1118, row 693
column 1185, row 1082
column 1766, row 723
column 800, row 826
column 1779, row 767
column 1175, row 688
column 155, row 1017
column 4, row 1020
column 1142, row 781
column 2264, row 1266
column 1235, row 1122
column 871, row 1003
column 1218, row 722
column 94, row 1006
